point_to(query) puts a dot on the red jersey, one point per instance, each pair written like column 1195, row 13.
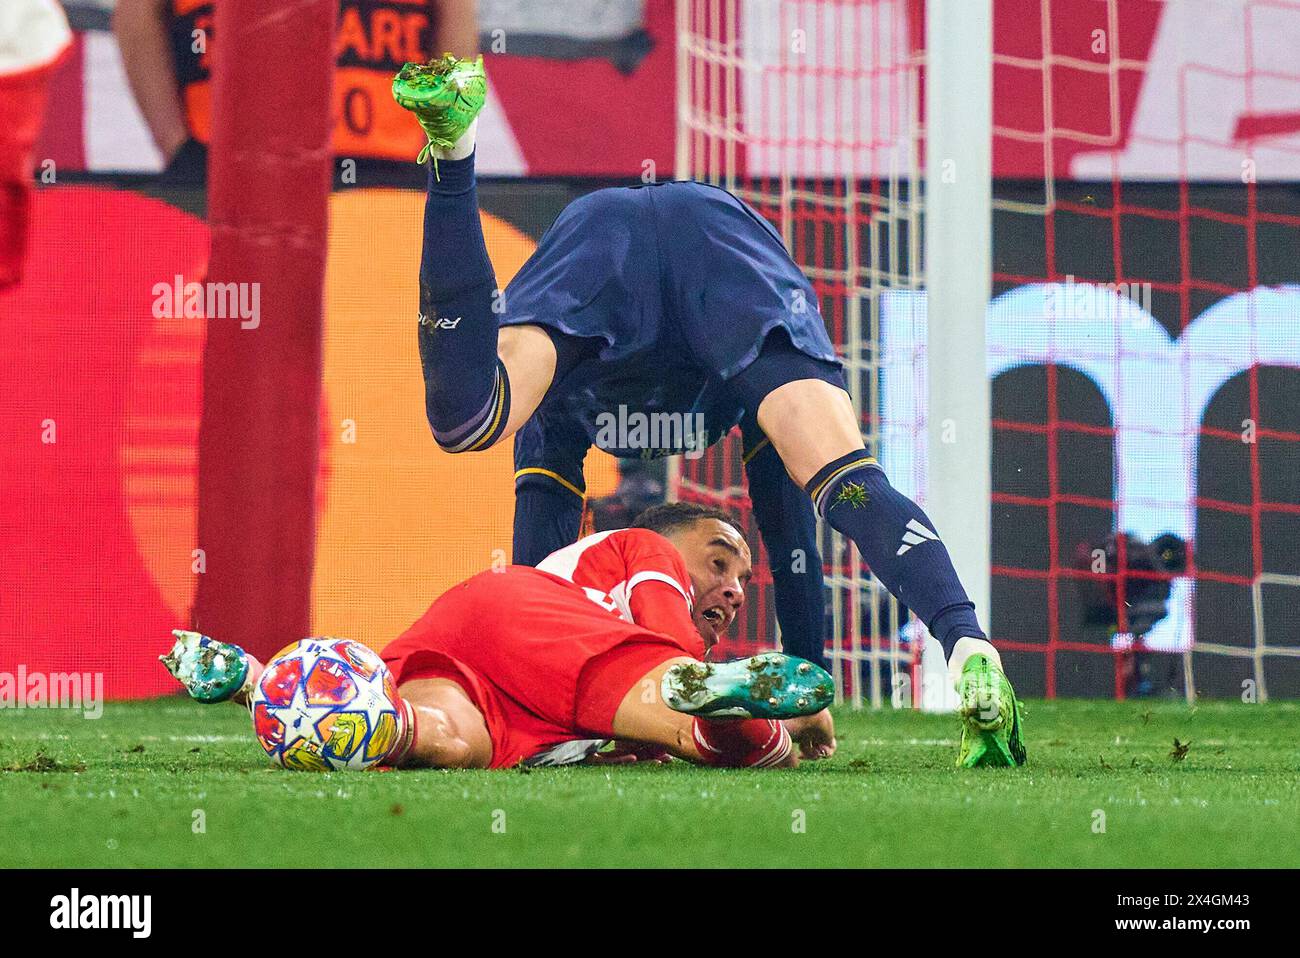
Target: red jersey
column 517, row 640
column 636, row 574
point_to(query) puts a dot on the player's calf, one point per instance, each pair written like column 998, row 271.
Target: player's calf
column 760, row 691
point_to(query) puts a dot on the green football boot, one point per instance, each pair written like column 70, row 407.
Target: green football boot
column 211, row 671
column 991, row 717
column 771, row 685
column 445, row 95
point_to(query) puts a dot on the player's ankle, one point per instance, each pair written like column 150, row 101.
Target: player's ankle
column 253, row 674
column 463, row 148
column 404, row 743
column 962, row 652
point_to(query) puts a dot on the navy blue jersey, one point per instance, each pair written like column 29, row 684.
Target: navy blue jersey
column 681, row 283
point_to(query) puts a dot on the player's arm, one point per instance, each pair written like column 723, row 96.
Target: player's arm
column 550, row 490
column 658, row 591
column 788, row 526
column 663, row 607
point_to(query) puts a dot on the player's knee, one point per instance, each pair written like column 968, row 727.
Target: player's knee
column 487, row 426
column 467, row 419
column 856, row 478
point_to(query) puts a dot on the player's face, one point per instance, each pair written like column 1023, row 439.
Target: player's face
column 719, row 563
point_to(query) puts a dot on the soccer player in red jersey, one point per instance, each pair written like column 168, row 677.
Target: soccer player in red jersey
column 604, row 640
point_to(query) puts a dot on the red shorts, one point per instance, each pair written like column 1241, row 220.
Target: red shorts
column 541, row 661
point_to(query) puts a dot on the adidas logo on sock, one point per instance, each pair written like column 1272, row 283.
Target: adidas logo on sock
column 914, row 536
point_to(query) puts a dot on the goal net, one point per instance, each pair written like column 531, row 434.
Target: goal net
column 1143, row 335
column 1144, row 338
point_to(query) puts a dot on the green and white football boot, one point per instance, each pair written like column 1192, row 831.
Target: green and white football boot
column 445, row 95
column 211, row 671
column 771, row 685
column 991, row 717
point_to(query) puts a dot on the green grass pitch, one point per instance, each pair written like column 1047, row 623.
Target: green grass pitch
column 133, row 788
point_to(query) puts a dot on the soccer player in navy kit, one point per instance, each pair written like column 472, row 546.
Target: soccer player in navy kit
column 672, row 298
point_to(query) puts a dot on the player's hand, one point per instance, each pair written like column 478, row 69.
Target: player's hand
column 815, row 734
column 626, row 753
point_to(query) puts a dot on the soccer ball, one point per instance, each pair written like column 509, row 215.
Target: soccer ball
column 325, row 705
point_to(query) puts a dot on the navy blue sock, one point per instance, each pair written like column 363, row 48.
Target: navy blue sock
column 789, row 528
column 547, row 517
column 898, row 542
column 550, row 489
column 466, row 390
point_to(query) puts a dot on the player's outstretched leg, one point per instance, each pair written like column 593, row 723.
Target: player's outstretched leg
column 214, row 671
column 466, row 390
column 638, row 714
column 900, row 544
column 770, row 685
column 479, row 385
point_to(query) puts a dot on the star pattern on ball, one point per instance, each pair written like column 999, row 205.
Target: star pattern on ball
column 299, row 717
column 305, row 726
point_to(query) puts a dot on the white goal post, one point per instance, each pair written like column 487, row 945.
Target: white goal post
column 958, row 279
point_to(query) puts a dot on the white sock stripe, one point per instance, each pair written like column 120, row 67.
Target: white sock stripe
column 780, row 755
column 964, row 648
column 465, row 145
column 485, row 419
column 772, row 747
column 700, row 743
column 406, row 736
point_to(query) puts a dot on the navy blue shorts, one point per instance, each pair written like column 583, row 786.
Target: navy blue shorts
column 672, row 267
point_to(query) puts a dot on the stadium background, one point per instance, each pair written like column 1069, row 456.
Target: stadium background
column 1097, row 177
